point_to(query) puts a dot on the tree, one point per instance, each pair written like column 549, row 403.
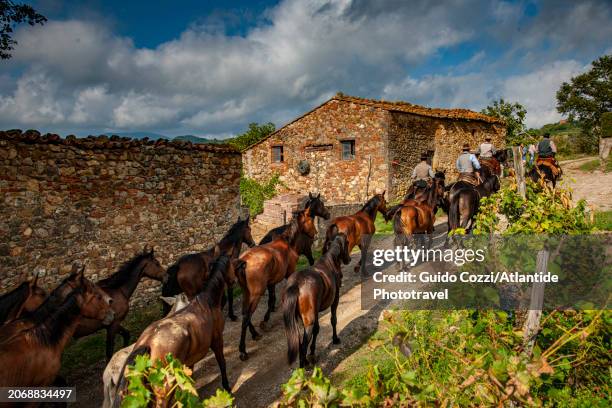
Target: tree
column 587, row 97
column 514, row 116
column 254, row 134
column 12, row 14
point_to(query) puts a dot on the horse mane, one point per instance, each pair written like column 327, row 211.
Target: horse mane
column 9, row 300
column 50, row 330
column 234, row 234
column 290, row 234
column 335, row 249
column 215, row 284
column 122, row 275
column 51, row 303
column 371, row 205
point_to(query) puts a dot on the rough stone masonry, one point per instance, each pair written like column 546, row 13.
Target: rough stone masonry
column 100, row 200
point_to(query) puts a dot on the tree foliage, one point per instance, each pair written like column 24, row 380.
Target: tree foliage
column 514, row 116
column 254, row 134
column 587, row 97
column 254, row 194
column 12, row 14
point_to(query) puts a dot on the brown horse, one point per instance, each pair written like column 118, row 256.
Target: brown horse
column 418, row 216
column 309, row 292
column 189, row 273
column 30, row 355
column 120, row 287
column 421, row 193
column 25, row 298
column 304, row 242
column 358, row 227
column 112, row 372
column 190, row 332
column 464, row 202
column 265, row 266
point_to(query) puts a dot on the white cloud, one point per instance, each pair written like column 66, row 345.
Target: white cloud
column 79, row 75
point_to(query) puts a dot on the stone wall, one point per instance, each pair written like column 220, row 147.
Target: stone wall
column 316, row 137
column 103, row 199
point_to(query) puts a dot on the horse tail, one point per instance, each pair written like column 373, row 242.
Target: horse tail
column 171, row 287
column 291, row 315
column 453, row 212
column 122, row 383
column 330, row 234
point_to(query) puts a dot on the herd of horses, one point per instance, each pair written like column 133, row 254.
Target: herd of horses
column 36, row 327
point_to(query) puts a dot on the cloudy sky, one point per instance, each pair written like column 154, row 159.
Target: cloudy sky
column 210, row 68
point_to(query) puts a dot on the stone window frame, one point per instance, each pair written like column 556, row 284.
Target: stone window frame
column 282, row 154
column 349, row 140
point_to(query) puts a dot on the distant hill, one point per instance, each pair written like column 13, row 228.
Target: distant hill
column 156, row 136
column 197, row 139
column 559, row 128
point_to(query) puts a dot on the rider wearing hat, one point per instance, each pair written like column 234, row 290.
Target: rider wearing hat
column 423, row 170
column 467, row 164
column 486, row 150
column 546, row 154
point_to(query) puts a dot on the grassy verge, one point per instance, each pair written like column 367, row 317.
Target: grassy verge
column 603, row 220
column 91, row 349
column 382, row 227
column 590, row 165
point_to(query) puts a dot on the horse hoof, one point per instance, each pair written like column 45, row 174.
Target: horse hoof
column 257, row 337
column 263, row 325
column 233, row 318
column 244, row 356
column 311, row 359
column 336, row 340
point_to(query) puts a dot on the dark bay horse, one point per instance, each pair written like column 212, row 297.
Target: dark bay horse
column 492, row 166
column 358, row 227
column 421, row 194
column 189, row 273
column 31, row 356
column 308, row 293
column 265, row 266
column 464, row 200
column 304, row 242
column 418, row 216
column 25, row 298
column 120, row 286
column 192, row 331
column 545, row 173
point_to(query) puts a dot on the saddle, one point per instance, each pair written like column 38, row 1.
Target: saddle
column 551, row 163
column 469, row 178
column 492, row 164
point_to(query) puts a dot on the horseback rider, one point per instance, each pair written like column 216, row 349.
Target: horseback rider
column 486, row 150
column 422, row 171
column 547, row 150
column 467, row 164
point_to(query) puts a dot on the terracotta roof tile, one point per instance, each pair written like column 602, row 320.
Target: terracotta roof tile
column 400, row 106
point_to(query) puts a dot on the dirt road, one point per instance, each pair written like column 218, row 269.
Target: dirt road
column 595, row 187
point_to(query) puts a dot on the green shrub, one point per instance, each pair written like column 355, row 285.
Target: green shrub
column 542, row 211
column 254, row 194
column 158, row 384
column 468, row 358
column 603, row 220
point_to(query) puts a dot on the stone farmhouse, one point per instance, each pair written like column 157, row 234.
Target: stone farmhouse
column 348, row 148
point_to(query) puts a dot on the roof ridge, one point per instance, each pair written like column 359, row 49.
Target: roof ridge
column 407, row 107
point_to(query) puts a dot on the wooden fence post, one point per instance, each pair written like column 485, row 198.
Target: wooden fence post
column 519, row 169
column 532, row 324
